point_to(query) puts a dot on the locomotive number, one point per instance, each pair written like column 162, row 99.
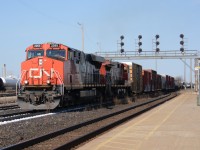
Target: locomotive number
column 41, row 73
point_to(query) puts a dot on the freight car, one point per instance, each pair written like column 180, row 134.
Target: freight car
column 158, row 82
column 135, row 77
column 146, row 76
column 8, row 83
column 150, row 79
column 57, row 75
column 168, row 83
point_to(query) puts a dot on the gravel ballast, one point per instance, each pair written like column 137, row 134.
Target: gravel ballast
column 16, row 132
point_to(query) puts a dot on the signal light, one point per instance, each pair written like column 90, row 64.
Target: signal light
column 182, row 43
column 182, row 36
column 122, row 50
column 157, row 36
column 182, row 49
column 157, row 49
column 139, row 43
column 121, row 43
column 157, row 42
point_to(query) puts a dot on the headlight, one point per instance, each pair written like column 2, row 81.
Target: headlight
column 26, row 82
column 40, row 62
column 48, row 82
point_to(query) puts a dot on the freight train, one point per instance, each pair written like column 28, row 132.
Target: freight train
column 57, row 75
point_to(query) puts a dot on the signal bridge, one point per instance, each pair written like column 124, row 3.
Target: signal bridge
column 167, row 54
column 133, row 55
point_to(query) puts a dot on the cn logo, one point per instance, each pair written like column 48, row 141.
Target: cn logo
column 41, row 72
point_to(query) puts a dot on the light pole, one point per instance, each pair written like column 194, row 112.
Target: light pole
column 82, row 31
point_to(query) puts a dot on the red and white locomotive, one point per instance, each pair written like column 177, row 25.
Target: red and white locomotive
column 57, row 75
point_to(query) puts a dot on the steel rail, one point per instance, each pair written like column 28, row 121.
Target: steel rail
column 46, row 137
column 21, row 115
column 79, row 140
column 9, row 107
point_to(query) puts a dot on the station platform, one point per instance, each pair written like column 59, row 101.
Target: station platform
column 174, row 125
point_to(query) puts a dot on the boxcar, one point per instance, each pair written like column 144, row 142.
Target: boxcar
column 163, row 80
column 153, row 78
column 167, row 82
column 171, row 84
column 158, row 82
column 146, row 75
column 135, row 77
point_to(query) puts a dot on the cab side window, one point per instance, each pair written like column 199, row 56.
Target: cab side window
column 70, row 55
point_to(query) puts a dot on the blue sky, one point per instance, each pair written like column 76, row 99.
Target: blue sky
column 26, row 22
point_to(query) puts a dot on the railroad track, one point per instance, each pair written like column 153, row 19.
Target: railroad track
column 73, row 136
column 20, row 115
column 31, row 113
column 9, row 107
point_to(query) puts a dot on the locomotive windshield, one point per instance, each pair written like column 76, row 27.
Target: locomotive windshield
column 35, row 53
column 60, row 54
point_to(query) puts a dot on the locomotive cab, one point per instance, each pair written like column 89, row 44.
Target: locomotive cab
column 41, row 84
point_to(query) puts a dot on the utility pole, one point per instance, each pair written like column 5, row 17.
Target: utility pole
column 82, row 31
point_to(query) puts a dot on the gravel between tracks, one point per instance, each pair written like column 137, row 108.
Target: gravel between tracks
column 10, row 111
column 19, row 131
column 8, row 99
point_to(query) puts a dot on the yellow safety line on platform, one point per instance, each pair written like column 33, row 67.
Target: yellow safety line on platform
column 108, row 146
column 123, row 131
column 123, row 143
column 165, row 119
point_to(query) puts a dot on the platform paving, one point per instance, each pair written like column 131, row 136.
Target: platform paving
column 174, row 125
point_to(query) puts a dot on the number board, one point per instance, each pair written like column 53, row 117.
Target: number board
column 37, row 45
column 54, row 45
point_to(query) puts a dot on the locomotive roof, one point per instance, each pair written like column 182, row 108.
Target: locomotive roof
column 93, row 57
